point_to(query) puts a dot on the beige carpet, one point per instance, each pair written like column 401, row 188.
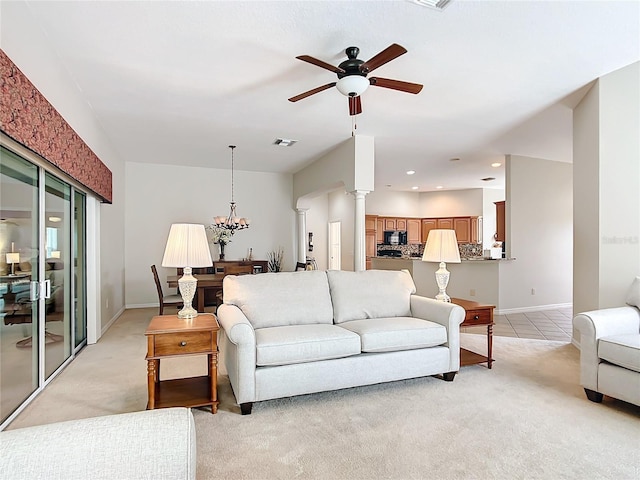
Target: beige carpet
column 525, row 418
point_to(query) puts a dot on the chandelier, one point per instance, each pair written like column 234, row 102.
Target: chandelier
column 232, row 222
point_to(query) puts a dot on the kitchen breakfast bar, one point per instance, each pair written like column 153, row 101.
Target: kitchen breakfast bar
column 477, row 279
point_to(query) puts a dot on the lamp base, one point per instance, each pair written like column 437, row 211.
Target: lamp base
column 187, row 286
column 442, row 279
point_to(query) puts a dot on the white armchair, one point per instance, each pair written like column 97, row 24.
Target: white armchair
column 610, row 350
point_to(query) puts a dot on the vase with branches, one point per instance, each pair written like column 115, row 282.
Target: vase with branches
column 220, row 236
column 274, row 260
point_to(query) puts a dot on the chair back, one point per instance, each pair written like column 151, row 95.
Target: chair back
column 300, row 266
column 158, row 284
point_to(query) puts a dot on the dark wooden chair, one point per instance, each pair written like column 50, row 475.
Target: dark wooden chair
column 165, row 300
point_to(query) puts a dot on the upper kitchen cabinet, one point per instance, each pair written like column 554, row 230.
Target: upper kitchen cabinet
column 379, row 230
column 414, row 227
column 389, row 223
column 428, row 224
column 370, row 222
column 500, row 221
column 401, row 224
column 466, row 228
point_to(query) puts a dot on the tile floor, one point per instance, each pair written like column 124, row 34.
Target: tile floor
column 544, row 325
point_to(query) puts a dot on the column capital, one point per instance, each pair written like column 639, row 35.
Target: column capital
column 359, row 193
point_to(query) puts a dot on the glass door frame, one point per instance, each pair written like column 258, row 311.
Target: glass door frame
column 90, row 261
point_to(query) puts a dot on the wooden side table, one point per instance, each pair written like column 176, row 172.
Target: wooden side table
column 476, row 314
column 170, row 336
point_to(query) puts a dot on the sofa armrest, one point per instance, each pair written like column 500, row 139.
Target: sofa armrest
column 447, row 314
column 239, row 344
column 596, row 324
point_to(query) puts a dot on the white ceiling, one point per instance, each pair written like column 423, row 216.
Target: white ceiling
column 177, row 82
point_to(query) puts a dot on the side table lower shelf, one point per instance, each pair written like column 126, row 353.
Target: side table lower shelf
column 467, row 357
column 184, row 392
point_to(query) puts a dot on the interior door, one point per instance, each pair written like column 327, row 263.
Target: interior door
column 334, row 246
column 19, row 277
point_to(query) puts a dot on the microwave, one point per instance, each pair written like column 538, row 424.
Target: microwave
column 395, row 237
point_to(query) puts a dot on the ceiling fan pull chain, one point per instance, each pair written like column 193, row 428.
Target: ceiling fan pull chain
column 354, row 125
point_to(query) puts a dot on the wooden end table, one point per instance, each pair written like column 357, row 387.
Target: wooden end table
column 476, row 314
column 170, row 336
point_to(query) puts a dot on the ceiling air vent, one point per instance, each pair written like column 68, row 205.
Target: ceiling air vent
column 284, row 142
column 488, row 179
column 437, row 4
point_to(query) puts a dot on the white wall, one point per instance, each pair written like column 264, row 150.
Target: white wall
column 317, row 223
column 540, row 234
column 607, row 193
column 27, row 46
column 451, row 203
column 393, row 204
column 159, row 195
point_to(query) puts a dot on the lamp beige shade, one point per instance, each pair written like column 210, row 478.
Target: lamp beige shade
column 187, row 246
column 13, row 257
column 442, row 246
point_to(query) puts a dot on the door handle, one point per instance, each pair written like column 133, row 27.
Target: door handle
column 46, row 285
column 34, row 291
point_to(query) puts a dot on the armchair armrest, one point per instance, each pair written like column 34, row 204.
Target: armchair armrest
column 596, row 324
column 449, row 315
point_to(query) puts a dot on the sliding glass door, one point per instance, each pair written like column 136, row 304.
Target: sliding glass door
column 42, row 277
column 19, row 316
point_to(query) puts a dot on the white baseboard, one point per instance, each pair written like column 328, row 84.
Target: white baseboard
column 142, row 305
column 536, row 308
column 111, row 322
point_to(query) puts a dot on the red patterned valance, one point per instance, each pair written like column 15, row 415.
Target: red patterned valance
column 27, row 117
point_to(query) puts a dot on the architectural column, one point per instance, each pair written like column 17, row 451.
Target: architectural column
column 302, row 234
column 359, row 234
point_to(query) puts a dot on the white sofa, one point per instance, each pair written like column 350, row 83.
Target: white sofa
column 295, row 333
column 153, row 444
column 610, row 350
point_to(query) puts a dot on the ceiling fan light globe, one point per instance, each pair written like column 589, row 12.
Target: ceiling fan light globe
column 352, row 85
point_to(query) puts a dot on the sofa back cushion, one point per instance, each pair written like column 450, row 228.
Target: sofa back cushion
column 370, row 294
column 279, row 299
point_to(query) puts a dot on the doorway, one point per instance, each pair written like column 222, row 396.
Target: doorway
column 334, row 246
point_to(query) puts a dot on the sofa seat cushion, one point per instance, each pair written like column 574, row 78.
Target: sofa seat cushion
column 622, row 350
column 370, row 294
column 304, row 343
column 279, row 299
column 396, row 333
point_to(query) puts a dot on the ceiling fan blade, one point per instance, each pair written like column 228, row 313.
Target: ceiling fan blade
column 311, row 92
column 395, row 85
column 355, row 105
column 320, row 63
column 388, row 54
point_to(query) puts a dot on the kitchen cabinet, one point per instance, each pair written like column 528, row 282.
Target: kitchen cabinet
column 379, row 230
column 428, row 224
column 466, row 228
column 462, row 226
column 414, row 226
column 500, row 221
column 389, row 223
column 370, row 222
column 401, row 224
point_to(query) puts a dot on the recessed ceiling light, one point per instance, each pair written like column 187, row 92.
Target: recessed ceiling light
column 410, row 172
column 55, row 219
column 496, row 164
column 439, row 187
column 414, row 188
column 284, row 142
column 488, row 179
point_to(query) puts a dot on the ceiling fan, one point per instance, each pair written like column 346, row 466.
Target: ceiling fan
column 352, row 76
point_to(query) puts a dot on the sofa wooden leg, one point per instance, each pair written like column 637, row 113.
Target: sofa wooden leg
column 593, row 395
column 449, row 376
column 245, row 408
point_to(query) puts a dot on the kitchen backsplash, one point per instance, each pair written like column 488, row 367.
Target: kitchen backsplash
column 415, row 251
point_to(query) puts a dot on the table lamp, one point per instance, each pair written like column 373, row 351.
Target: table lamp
column 12, row 259
column 187, row 247
column 442, row 247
